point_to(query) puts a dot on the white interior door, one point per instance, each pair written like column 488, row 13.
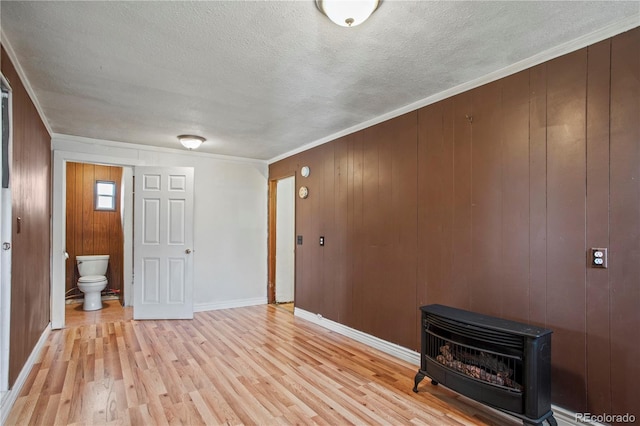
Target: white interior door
column 163, row 243
column 285, row 239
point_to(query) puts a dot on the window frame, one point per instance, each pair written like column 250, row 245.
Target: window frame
column 97, row 196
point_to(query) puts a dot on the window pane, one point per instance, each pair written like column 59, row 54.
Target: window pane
column 106, row 188
column 105, row 202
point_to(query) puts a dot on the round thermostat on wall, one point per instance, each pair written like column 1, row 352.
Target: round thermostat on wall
column 304, row 171
column 303, row 192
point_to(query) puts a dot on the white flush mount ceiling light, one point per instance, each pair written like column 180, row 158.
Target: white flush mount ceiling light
column 191, row 141
column 348, row 13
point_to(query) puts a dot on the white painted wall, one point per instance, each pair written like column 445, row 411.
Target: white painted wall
column 230, row 216
column 285, row 245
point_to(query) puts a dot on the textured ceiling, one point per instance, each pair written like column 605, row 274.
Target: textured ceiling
column 262, row 78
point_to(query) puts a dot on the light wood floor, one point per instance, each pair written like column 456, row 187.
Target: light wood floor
column 256, row 365
column 286, row 306
column 111, row 311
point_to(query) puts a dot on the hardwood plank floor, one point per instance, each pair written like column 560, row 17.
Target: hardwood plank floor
column 111, row 311
column 257, row 365
column 287, row 306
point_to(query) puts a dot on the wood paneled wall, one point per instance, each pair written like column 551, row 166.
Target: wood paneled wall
column 488, row 201
column 90, row 231
column 30, row 183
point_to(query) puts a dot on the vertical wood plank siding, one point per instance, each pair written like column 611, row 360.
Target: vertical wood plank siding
column 488, row 201
column 30, row 183
column 624, row 222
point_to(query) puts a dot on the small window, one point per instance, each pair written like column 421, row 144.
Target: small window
column 105, row 195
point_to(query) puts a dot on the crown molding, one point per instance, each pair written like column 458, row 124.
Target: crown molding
column 23, row 77
column 614, row 29
column 60, row 137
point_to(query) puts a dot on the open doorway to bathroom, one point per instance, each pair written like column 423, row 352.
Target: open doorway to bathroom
column 95, row 225
column 282, row 242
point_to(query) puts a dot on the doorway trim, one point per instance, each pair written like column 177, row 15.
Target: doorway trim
column 271, row 289
column 5, row 288
column 58, row 222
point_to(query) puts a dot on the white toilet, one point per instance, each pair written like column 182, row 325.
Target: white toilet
column 92, row 270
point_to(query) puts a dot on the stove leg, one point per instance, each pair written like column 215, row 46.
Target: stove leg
column 552, row 421
column 417, row 381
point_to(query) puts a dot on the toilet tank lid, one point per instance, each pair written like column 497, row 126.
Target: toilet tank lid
column 92, row 279
column 96, row 257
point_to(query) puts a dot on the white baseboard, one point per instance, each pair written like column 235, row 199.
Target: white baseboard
column 228, row 304
column 375, row 342
column 9, row 398
column 563, row 416
column 569, row 418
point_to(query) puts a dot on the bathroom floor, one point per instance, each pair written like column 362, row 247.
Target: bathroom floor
column 286, row 306
column 111, row 311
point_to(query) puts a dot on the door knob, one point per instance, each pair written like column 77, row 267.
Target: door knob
column 188, row 251
column 6, row 246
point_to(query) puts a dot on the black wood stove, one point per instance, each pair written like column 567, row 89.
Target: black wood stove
column 504, row 364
